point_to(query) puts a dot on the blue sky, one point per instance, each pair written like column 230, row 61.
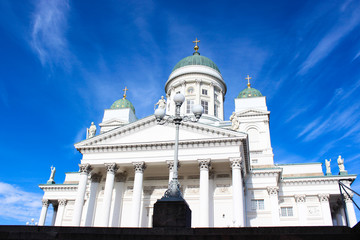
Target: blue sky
column 64, row 62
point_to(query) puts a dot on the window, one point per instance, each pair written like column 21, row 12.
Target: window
column 215, row 96
column 216, row 110
column 205, row 105
column 203, row 91
column 190, row 90
column 257, row 204
column 189, row 105
column 287, row 212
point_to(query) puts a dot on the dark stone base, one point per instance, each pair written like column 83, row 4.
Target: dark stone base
column 256, row 233
column 172, row 213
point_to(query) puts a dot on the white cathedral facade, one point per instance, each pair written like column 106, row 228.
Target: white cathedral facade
column 227, row 171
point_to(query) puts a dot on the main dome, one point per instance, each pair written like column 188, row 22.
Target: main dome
column 196, row 59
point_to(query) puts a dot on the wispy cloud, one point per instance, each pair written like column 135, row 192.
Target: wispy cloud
column 17, row 204
column 348, row 20
column 48, row 39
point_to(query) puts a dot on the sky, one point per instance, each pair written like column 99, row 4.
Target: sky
column 64, row 62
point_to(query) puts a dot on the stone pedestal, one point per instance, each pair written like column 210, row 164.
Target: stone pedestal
column 172, row 213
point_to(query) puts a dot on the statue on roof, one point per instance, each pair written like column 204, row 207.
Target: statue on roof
column 235, row 124
column 340, row 162
column 327, row 166
column 91, row 131
column 52, row 176
column 161, row 103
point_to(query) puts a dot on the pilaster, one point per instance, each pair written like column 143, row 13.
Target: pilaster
column 325, row 207
column 274, row 202
column 300, row 201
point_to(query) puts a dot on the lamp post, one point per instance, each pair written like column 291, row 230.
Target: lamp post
column 173, row 192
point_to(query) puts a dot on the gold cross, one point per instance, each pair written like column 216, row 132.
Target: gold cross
column 196, row 48
column 248, row 78
column 125, row 89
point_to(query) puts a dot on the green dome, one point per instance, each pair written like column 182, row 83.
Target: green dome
column 122, row 103
column 196, row 59
column 249, row 92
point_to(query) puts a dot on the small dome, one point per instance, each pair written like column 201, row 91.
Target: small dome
column 122, row 103
column 196, row 59
column 249, row 92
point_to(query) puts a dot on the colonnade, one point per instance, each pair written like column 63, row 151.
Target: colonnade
column 116, row 180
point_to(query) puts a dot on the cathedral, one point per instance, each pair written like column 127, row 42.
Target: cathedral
column 226, row 169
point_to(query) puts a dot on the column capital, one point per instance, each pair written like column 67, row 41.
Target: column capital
column 62, row 202
column 348, row 198
column 111, row 168
column 121, row 177
column 323, row 197
column 273, row 191
column 236, row 162
column 139, row 167
column 204, row 164
column 95, row 177
column 170, row 164
column 85, row 168
column 45, row 202
column 300, row 198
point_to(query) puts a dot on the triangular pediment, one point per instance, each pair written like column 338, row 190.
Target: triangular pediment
column 112, row 122
column 147, row 131
column 252, row 112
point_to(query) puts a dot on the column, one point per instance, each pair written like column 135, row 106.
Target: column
column 55, row 207
column 221, row 105
column 60, row 212
column 84, row 170
column 204, row 165
column 325, row 207
column 211, row 198
column 45, row 205
column 212, row 99
column 95, row 180
column 119, row 187
column 198, row 89
column 109, row 185
column 350, row 212
column 300, row 201
column 238, row 193
column 274, row 202
column 139, row 168
column 183, row 91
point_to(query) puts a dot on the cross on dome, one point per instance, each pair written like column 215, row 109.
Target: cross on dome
column 125, row 89
column 196, row 48
column 248, row 78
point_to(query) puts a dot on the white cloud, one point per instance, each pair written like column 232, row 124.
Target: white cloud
column 347, row 22
column 17, row 204
column 48, row 32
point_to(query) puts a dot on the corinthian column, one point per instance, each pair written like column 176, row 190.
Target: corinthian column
column 325, row 207
column 350, row 212
column 95, row 180
column 274, row 202
column 238, row 193
column 45, row 205
column 300, row 200
column 204, row 165
column 119, row 187
column 60, row 212
column 109, row 185
column 84, row 170
column 139, row 168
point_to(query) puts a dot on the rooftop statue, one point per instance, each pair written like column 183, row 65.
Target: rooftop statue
column 52, row 175
column 91, row 131
column 340, row 162
column 235, row 124
column 161, row 103
column 328, row 168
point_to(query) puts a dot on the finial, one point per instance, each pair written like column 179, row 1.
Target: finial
column 196, row 48
column 125, row 89
column 248, row 78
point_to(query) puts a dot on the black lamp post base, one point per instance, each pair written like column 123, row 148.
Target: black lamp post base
column 172, row 212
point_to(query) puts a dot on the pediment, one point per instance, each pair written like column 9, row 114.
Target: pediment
column 112, row 122
column 252, row 112
column 147, row 131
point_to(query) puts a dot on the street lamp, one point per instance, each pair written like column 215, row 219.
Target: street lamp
column 173, row 191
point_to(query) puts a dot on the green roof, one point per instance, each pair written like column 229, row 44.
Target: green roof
column 122, row 103
column 249, row 92
column 196, row 59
